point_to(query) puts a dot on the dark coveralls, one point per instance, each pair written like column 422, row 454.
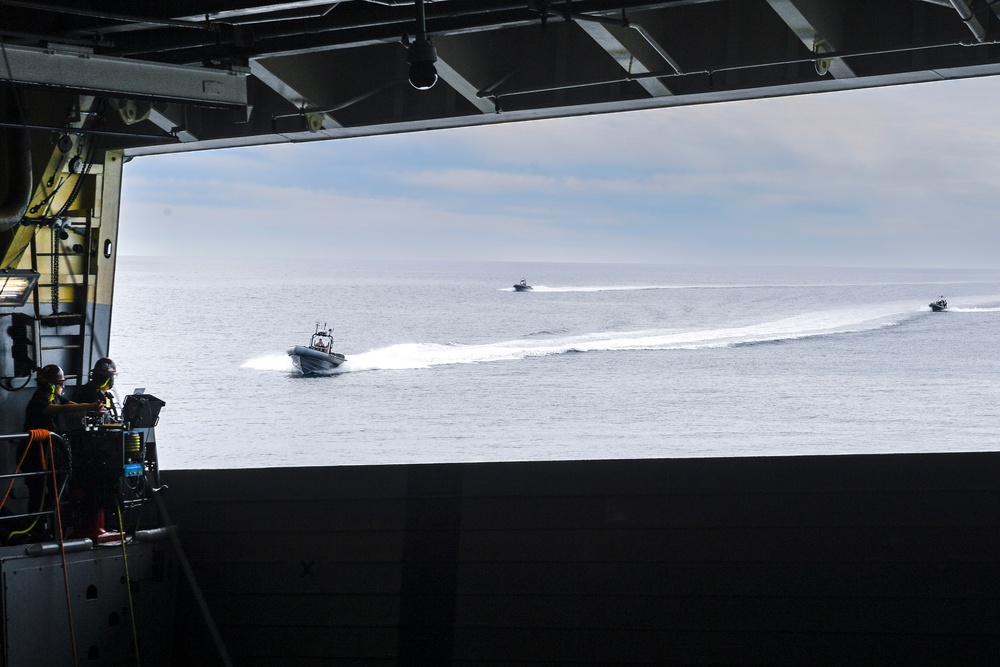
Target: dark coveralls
column 34, row 418
column 92, row 393
column 92, row 489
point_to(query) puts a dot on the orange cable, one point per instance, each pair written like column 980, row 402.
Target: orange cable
column 33, row 435
column 62, row 549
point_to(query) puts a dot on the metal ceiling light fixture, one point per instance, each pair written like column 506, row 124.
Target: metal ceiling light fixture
column 16, row 286
column 422, row 55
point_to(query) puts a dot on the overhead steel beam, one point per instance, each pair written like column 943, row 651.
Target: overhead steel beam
column 462, row 86
column 78, row 70
column 316, row 119
column 166, row 120
column 450, row 59
column 969, row 19
column 818, row 25
column 630, row 64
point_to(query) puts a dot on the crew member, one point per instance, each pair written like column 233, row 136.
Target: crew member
column 44, row 410
column 48, row 403
column 93, row 490
column 98, row 389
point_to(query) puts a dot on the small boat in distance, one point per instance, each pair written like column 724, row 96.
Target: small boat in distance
column 522, row 286
column 317, row 357
column 939, row 305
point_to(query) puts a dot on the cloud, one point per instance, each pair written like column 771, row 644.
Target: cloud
column 886, row 176
column 480, row 181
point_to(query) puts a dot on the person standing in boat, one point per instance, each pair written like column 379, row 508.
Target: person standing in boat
column 98, row 389
column 44, row 411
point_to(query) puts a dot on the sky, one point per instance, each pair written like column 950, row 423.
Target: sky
column 901, row 176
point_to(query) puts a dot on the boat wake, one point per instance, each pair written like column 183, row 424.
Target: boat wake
column 696, row 286
column 270, row 362
column 995, row 309
column 426, row 355
column 598, row 288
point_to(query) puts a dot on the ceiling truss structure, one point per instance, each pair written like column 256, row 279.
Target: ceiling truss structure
column 195, row 74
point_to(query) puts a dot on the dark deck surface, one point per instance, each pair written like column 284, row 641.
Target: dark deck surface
column 847, row 560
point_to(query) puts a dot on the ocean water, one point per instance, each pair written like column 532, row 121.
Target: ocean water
column 447, row 363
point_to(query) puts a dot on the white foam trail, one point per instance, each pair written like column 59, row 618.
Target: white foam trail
column 425, row 355
column 600, row 288
column 975, row 310
column 709, row 286
column 270, row 362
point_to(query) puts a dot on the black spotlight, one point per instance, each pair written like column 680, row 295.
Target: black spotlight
column 422, row 56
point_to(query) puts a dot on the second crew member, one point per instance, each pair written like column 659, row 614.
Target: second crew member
column 98, row 389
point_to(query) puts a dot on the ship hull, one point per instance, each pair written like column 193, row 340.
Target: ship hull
column 313, row 362
column 429, row 563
